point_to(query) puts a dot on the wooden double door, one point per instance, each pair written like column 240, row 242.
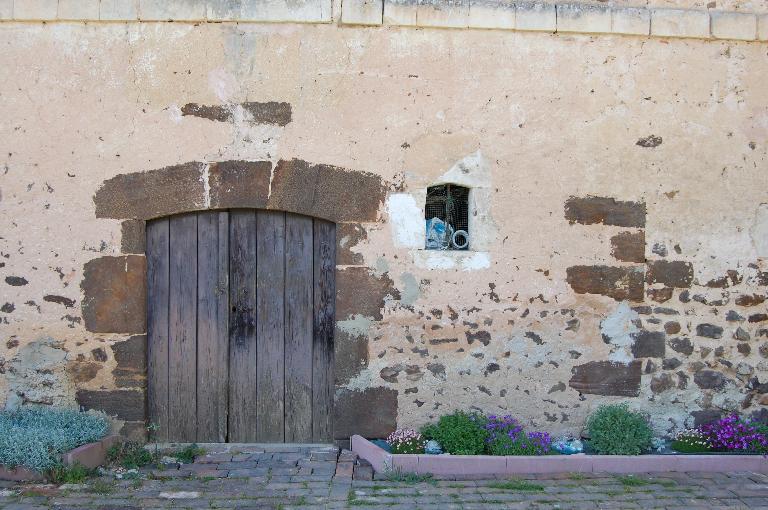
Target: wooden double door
column 240, row 327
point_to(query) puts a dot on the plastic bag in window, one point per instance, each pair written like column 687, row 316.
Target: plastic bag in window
column 436, row 234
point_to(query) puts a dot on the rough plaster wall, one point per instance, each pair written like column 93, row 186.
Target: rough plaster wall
column 550, row 116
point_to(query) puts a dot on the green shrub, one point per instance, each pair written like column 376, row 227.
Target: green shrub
column 459, row 433
column 35, row 437
column 615, row 430
column 76, row 473
column 129, row 454
column 187, row 454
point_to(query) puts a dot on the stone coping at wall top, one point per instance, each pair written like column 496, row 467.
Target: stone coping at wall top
column 486, row 465
column 573, row 18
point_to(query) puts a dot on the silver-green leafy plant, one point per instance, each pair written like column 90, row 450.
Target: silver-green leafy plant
column 35, row 437
column 614, row 429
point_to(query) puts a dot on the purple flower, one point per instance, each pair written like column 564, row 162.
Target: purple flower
column 733, row 433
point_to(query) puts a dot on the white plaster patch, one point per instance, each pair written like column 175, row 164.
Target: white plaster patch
column 479, row 260
column 471, row 171
column 759, row 230
column 222, row 84
column 206, row 180
column 364, row 379
column 357, row 325
column 618, row 329
column 174, row 112
column 464, row 260
column 407, row 220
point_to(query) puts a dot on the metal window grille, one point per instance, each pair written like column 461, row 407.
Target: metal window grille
column 449, row 204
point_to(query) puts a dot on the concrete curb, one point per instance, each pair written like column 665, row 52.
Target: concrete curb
column 475, row 465
column 90, row 455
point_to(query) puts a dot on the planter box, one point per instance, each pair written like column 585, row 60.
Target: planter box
column 491, row 466
column 90, row 455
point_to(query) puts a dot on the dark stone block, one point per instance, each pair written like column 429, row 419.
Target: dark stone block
column 349, row 235
column 709, row 380
column 350, row 355
column 115, row 294
column 706, row 416
column 741, row 334
column 608, row 211
column 125, row 405
column 272, row 112
column 239, row 184
column 607, row 378
column 218, row 113
column 649, row 344
column 758, row 317
column 732, row 316
column 649, row 142
column 133, row 236
column 147, row 195
column 662, row 382
column 359, row 291
column 760, row 416
column 750, row 300
column 437, row 369
column 672, row 327
column 660, row 295
column 629, row 246
column 484, row 337
column 7, row 308
column 672, row 273
column 99, row 354
column 326, row 191
column 60, row 300
column 16, row 281
column 619, row 283
column 671, row 363
column 134, row 431
column 681, row 345
column 82, row 371
column 732, row 278
column 709, row 331
column 370, row 413
column 744, row 349
column 131, row 358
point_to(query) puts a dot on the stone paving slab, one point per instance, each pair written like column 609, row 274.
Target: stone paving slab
column 280, row 477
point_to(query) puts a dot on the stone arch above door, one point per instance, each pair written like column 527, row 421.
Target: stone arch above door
column 321, row 191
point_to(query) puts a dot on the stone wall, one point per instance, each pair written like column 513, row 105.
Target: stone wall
column 618, row 208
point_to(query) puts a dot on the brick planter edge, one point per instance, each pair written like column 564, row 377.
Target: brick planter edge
column 477, row 465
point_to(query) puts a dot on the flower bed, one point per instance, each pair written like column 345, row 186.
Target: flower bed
column 458, row 466
column 620, row 440
column 34, row 441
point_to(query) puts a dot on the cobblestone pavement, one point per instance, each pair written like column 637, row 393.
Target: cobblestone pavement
column 312, row 478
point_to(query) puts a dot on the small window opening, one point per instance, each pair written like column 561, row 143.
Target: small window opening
column 446, row 213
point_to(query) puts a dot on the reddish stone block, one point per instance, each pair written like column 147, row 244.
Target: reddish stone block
column 91, row 455
column 344, row 469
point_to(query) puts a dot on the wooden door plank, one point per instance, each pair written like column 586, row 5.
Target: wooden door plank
column 270, row 324
column 182, row 334
column 212, row 325
column 157, row 327
column 324, row 320
column 298, row 328
column 243, row 355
